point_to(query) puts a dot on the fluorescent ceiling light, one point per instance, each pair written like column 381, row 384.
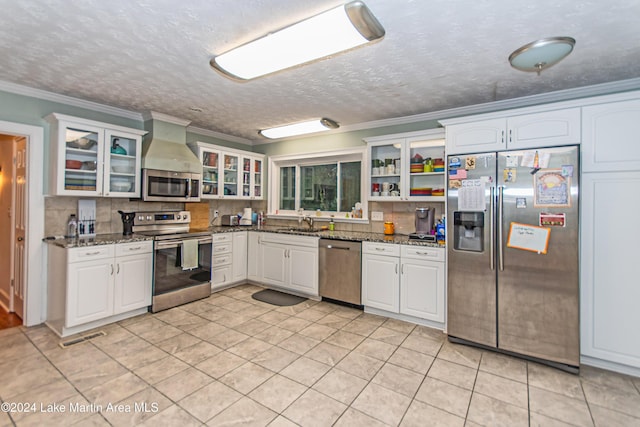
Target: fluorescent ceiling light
column 335, row 30
column 541, row 54
column 302, row 128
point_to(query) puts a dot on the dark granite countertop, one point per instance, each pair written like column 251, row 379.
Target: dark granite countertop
column 335, row 235
column 359, row 236
column 99, row 239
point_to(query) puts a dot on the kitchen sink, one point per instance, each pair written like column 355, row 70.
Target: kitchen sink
column 299, row 230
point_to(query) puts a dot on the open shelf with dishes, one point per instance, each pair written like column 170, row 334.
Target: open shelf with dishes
column 407, row 167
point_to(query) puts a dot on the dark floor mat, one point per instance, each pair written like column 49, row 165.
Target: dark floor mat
column 277, row 298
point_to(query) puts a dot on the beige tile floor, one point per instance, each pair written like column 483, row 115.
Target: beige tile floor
column 229, row 360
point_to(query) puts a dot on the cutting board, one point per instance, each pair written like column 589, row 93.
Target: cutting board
column 199, row 214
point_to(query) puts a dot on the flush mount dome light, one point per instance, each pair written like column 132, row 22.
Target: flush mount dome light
column 541, row 54
column 335, row 30
column 302, row 128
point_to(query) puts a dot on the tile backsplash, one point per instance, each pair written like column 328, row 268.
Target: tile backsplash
column 58, row 209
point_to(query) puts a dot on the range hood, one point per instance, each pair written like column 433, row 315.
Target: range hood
column 165, row 145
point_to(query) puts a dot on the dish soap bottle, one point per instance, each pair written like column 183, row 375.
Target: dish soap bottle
column 72, row 227
column 332, row 225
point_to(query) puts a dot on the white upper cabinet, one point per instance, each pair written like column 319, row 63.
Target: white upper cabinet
column 517, row 131
column 407, row 167
column 228, row 173
column 91, row 158
column 611, row 136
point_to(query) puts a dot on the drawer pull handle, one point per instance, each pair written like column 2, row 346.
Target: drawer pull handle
column 137, row 248
column 92, row 253
column 380, row 249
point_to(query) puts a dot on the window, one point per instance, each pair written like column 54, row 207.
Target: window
column 331, row 183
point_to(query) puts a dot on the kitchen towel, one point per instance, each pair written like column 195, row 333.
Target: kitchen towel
column 189, row 254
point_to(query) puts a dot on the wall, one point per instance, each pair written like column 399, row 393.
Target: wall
column 6, row 163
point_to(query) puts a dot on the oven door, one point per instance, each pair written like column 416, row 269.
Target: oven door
column 168, row 186
column 168, row 274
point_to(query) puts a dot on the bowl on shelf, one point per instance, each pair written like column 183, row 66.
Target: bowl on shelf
column 89, row 165
column 73, row 164
column 122, row 169
column 120, row 186
column 83, row 143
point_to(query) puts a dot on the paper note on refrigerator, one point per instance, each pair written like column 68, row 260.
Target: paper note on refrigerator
column 529, row 159
column 471, row 195
column 528, row 237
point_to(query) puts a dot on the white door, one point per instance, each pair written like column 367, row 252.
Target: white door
column 274, row 270
column 422, row 289
column 133, row 282
column 19, row 224
column 303, row 269
column 90, row 291
column 381, row 282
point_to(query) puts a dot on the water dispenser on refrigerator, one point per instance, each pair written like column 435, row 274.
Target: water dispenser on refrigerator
column 468, row 231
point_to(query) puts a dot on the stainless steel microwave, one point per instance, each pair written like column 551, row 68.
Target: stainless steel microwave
column 169, row 186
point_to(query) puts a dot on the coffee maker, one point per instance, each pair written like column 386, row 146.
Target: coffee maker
column 127, row 222
column 424, row 225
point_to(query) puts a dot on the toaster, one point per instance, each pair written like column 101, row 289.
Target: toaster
column 230, row 220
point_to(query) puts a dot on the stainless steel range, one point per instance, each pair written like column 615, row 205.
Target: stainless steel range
column 182, row 258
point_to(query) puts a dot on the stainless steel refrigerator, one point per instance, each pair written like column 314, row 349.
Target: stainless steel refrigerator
column 512, row 246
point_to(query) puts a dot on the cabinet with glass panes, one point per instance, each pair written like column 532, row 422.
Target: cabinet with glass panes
column 229, row 173
column 92, row 158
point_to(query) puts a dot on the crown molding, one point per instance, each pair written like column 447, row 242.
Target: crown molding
column 154, row 115
column 218, row 135
column 68, row 100
column 506, row 104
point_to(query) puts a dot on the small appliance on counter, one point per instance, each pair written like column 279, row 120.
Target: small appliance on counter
column 247, row 216
column 127, row 222
column 424, row 225
column 229, row 220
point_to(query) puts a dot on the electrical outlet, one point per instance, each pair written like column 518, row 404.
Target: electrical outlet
column 216, row 214
column 376, row 216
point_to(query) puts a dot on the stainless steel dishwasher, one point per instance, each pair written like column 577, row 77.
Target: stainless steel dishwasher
column 340, row 270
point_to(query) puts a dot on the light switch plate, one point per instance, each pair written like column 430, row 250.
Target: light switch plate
column 376, row 216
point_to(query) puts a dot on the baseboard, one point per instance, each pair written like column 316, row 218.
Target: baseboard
column 610, row 366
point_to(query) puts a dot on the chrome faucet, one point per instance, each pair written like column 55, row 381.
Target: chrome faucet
column 309, row 221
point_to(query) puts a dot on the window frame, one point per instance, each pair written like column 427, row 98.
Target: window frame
column 311, row 159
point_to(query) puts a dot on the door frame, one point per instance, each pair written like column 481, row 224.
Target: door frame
column 35, row 259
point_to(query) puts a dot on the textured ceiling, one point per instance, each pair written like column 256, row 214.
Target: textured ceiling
column 439, row 54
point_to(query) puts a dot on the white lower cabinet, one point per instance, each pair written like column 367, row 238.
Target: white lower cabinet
column 422, row 282
column 240, row 243
column 254, row 260
column 221, row 261
column 134, row 271
column 284, row 261
column 94, row 285
column 404, row 279
column 381, row 276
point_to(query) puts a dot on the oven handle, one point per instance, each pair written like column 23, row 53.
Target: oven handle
column 188, row 195
column 175, row 243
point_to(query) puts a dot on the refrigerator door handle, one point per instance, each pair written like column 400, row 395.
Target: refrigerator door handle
column 500, row 228
column 492, row 206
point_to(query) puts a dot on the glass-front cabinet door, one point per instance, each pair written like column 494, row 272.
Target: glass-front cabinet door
column 210, row 167
column 246, row 177
column 257, row 179
column 80, row 159
column 92, row 158
column 230, row 174
column 122, row 163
